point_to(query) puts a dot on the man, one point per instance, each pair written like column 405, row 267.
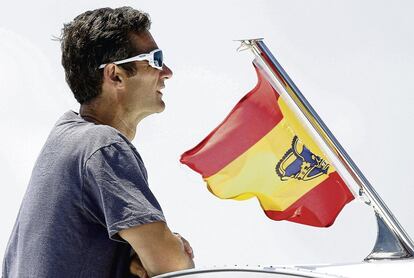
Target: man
column 88, row 207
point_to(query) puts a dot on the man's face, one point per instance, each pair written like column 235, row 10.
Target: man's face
column 143, row 90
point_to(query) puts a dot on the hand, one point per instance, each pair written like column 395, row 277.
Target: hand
column 137, row 268
column 187, row 246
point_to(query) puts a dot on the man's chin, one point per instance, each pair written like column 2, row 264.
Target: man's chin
column 161, row 107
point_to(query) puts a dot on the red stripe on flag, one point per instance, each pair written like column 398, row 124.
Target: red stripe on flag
column 251, row 119
column 320, row 206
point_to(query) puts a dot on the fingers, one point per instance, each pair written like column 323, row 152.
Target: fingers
column 136, row 268
column 187, row 246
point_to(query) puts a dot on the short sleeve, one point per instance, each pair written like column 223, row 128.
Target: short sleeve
column 115, row 191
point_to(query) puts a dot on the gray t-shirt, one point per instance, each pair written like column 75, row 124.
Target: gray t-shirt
column 88, row 183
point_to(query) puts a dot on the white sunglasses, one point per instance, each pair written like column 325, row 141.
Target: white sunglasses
column 154, row 58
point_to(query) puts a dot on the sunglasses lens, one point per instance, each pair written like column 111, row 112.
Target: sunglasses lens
column 158, row 59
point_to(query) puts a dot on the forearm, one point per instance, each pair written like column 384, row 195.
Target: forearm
column 173, row 257
column 159, row 250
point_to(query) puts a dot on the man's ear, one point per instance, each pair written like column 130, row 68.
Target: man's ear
column 114, row 75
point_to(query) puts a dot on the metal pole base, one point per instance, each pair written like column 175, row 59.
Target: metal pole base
column 387, row 245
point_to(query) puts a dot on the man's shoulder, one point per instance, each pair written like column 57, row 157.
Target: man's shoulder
column 85, row 136
column 101, row 135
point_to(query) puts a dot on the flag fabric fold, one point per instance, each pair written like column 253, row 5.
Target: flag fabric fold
column 262, row 150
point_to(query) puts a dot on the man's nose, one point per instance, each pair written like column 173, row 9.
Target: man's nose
column 166, row 72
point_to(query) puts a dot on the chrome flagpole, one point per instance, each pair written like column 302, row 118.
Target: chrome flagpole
column 392, row 240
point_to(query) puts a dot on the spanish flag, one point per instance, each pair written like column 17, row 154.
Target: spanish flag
column 262, row 150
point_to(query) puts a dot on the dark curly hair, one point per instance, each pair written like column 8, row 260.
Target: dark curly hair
column 97, row 37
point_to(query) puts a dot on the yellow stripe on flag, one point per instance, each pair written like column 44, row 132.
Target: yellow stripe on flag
column 253, row 172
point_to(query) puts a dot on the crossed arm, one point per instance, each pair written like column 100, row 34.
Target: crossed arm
column 159, row 250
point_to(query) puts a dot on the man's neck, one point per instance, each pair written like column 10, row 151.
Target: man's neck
column 101, row 114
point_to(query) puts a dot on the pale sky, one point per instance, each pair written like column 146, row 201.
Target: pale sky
column 353, row 60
